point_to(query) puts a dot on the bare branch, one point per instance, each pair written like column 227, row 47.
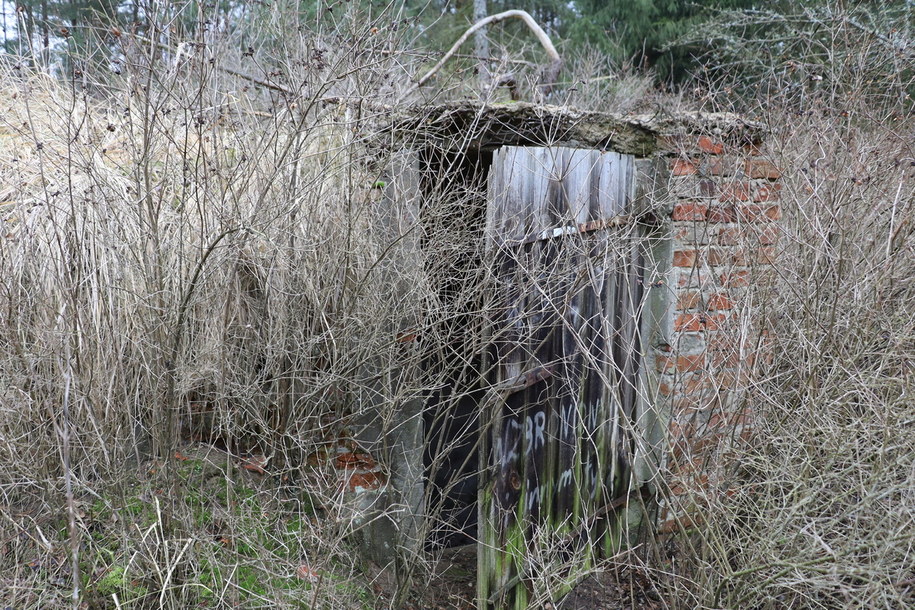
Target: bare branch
column 550, row 73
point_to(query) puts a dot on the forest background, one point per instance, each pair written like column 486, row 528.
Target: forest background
column 664, row 35
column 220, row 125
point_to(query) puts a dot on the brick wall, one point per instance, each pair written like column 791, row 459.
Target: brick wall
column 724, row 245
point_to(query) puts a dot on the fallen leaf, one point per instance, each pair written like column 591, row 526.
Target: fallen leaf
column 306, row 573
column 255, row 463
column 355, row 460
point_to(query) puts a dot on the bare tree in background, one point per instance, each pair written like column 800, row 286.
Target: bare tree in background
column 482, row 42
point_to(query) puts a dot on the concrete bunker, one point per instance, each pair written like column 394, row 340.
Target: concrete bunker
column 562, row 429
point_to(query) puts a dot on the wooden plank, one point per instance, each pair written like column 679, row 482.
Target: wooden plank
column 569, row 412
column 609, row 200
column 499, row 496
column 579, row 170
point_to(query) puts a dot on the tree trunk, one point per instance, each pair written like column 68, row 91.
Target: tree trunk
column 481, row 42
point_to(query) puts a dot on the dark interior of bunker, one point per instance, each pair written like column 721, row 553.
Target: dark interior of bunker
column 457, row 182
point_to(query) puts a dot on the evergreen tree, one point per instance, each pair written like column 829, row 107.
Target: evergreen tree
column 639, row 31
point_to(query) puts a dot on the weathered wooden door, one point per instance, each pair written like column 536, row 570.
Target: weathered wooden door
column 567, row 299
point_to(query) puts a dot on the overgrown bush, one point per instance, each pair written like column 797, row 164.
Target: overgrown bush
column 190, row 252
column 818, row 510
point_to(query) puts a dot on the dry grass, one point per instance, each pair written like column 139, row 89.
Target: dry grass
column 185, row 253
column 183, row 250
column 818, row 510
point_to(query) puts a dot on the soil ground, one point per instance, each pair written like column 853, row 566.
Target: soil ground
column 41, row 577
column 454, row 587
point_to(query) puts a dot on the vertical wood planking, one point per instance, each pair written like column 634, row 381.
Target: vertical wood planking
column 558, row 446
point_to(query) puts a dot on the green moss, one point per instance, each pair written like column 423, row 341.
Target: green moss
column 100, row 509
column 296, row 526
column 245, row 549
column 210, row 580
column 189, row 468
column 134, row 506
column 114, row 581
column 307, row 505
column 201, row 507
column 355, row 591
column 246, row 495
column 268, row 538
column 251, row 580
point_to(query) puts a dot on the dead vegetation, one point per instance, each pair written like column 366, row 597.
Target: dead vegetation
column 818, row 509
column 191, row 281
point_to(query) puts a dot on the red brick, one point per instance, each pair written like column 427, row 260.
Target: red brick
column 683, row 167
column 726, row 421
column 694, row 322
column 708, row 145
column 717, row 256
column 690, row 404
column 708, row 188
column 685, row 258
column 727, row 256
column 735, row 279
column 767, row 192
column 691, row 233
column 722, row 342
column 719, row 359
column 760, row 168
column 354, row 460
column 730, row 236
column 698, row 383
column 686, row 463
column 717, row 166
column 752, row 149
column 721, row 214
column 364, row 481
column 692, row 277
column 766, row 256
column 754, row 213
column 689, row 299
column 680, row 431
column 734, row 191
column 681, row 364
column 768, row 236
column 707, row 442
column 719, row 301
column 254, row 463
column 689, row 211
